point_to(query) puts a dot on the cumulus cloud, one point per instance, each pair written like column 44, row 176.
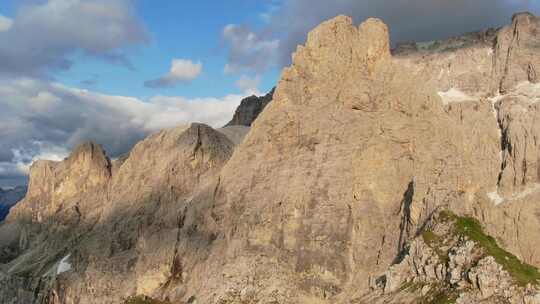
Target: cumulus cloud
column 249, row 85
column 45, row 120
column 248, row 50
column 182, row 71
column 42, row 35
column 418, row 20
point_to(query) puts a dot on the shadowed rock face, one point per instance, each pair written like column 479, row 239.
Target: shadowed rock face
column 8, row 199
column 249, row 109
column 332, row 185
column 123, row 228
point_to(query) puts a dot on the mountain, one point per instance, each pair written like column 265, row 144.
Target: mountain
column 8, row 199
column 373, row 176
column 249, row 109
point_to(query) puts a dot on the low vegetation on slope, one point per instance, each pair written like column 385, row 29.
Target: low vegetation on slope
column 469, row 227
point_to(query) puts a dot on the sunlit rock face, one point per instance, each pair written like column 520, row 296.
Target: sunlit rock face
column 326, row 194
column 497, row 69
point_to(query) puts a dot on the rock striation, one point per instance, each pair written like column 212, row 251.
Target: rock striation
column 333, row 196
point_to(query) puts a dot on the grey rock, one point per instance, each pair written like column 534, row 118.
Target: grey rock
column 10, row 197
column 249, row 109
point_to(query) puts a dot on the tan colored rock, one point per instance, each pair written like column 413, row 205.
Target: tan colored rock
column 516, row 57
column 356, row 152
column 500, row 64
column 127, row 237
column 347, row 124
column 489, row 278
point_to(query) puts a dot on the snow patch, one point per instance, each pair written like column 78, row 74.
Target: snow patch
column 64, row 265
column 496, row 98
column 495, row 197
column 529, row 90
column 528, row 191
column 454, row 95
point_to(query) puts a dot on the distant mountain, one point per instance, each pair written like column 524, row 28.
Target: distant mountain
column 8, row 199
column 249, row 109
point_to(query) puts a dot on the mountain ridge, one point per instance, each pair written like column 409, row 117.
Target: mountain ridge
column 249, row 109
column 337, row 179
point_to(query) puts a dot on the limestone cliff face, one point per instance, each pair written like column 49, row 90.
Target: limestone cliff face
column 121, row 234
column 331, row 186
column 86, row 170
column 346, row 125
column 494, row 68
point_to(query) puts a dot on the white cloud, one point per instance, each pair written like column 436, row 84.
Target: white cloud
column 45, row 120
column 249, row 85
column 22, row 160
column 185, row 70
column 290, row 20
column 248, row 50
column 213, row 111
column 182, row 70
column 43, row 34
column 5, row 23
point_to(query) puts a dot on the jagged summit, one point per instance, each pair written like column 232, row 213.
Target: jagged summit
column 249, row 109
column 88, row 150
column 523, row 16
column 330, row 198
column 502, row 58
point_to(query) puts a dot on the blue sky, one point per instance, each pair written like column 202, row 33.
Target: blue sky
column 114, row 71
column 176, row 29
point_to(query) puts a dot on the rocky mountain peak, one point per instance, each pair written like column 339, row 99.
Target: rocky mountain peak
column 90, row 158
column 88, row 150
column 249, row 109
column 374, row 33
column 86, row 167
column 515, row 52
column 521, row 17
column 336, row 195
column 341, row 34
column 336, row 52
column 337, row 44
